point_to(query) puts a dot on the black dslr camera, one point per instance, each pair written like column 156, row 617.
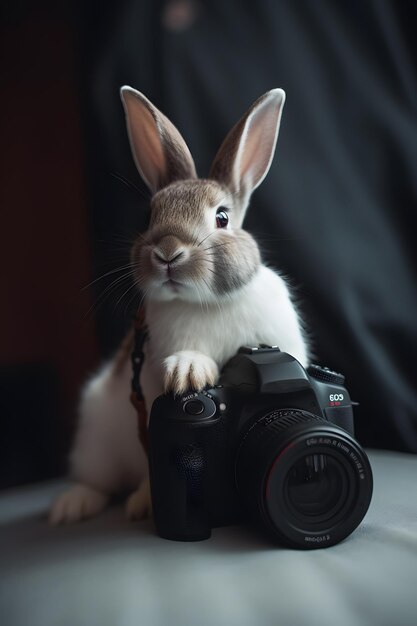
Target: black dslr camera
column 271, row 442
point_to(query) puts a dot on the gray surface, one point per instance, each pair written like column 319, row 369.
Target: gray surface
column 111, row 572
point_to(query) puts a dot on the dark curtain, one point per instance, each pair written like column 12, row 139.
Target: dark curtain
column 47, row 346
column 335, row 212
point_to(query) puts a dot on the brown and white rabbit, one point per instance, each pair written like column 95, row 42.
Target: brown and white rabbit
column 206, row 294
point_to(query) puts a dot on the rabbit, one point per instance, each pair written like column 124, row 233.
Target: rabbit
column 206, row 293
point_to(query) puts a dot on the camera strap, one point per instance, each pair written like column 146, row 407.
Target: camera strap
column 138, row 357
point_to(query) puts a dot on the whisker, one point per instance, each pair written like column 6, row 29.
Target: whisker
column 140, row 293
column 106, row 292
column 206, row 302
column 114, row 282
column 123, row 295
column 203, row 240
column 95, row 307
column 195, row 239
column 147, row 292
column 118, row 269
column 143, row 296
column 198, row 293
column 209, row 288
column 218, row 245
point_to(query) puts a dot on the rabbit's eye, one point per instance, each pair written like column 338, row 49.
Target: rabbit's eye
column 222, row 219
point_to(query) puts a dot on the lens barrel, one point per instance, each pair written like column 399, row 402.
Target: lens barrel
column 308, row 481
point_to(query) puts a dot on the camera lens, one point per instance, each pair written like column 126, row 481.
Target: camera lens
column 316, row 489
column 308, row 481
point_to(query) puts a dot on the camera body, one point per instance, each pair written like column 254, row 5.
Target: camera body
column 270, row 442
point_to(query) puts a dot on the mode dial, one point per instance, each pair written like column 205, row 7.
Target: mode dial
column 325, row 374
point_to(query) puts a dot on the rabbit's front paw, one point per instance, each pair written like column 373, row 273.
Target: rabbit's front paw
column 189, row 370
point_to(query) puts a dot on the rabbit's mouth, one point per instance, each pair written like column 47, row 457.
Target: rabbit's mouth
column 175, row 285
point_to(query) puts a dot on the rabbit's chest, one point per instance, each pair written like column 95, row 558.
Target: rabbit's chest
column 217, row 332
column 262, row 313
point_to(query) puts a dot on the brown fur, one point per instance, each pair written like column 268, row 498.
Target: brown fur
column 187, row 200
column 235, row 262
column 178, row 223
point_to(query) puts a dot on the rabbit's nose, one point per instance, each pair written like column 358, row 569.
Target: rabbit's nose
column 169, row 251
column 162, row 258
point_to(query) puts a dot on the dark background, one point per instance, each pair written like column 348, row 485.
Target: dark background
column 335, row 213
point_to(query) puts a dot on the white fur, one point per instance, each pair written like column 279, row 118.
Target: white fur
column 107, row 455
column 260, row 312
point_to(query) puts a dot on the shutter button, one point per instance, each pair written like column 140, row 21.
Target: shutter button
column 194, row 407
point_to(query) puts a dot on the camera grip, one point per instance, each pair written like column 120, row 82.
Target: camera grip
column 177, row 475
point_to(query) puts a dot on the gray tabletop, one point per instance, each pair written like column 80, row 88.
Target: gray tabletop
column 109, row 571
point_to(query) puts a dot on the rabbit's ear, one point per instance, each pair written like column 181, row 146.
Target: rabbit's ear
column 160, row 153
column 245, row 156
